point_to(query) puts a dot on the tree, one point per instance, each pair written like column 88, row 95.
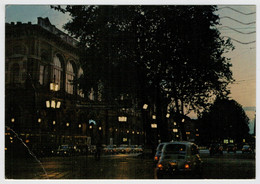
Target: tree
column 225, row 119
column 175, row 53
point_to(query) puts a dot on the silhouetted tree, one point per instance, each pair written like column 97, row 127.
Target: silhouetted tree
column 225, row 119
column 163, row 53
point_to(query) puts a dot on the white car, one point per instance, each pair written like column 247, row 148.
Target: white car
column 179, row 159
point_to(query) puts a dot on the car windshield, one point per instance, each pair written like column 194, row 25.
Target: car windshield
column 178, row 149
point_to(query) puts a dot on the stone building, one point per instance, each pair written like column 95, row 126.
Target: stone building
column 41, row 102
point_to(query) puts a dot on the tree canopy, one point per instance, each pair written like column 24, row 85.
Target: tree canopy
column 167, row 54
column 225, row 119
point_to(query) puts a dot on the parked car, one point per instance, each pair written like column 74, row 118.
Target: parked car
column 216, row 149
column 110, row 149
column 247, row 149
column 67, row 150
column 179, row 159
column 123, row 148
column 231, row 148
column 158, row 152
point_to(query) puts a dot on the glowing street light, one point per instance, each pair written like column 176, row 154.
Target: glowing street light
column 122, row 119
column 153, row 125
column 145, row 106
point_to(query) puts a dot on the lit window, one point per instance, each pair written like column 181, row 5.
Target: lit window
column 69, row 78
column 57, row 71
column 80, row 92
column 41, row 74
column 188, row 133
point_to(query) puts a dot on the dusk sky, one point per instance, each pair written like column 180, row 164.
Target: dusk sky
column 237, row 22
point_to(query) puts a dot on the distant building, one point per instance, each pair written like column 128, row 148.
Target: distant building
column 41, row 101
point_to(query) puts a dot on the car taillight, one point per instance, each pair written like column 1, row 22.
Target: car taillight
column 160, row 166
column 186, row 166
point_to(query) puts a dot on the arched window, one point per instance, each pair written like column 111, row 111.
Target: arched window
column 69, row 78
column 57, row 71
column 15, row 73
column 80, row 73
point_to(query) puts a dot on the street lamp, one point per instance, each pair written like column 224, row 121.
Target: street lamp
column 167, row 115
column 39, row 120
column 153, row 125
column 154, row 116
column 145, row 106
column 122, row 119
column 53, row 104
column 54, row 87
column 12, row 120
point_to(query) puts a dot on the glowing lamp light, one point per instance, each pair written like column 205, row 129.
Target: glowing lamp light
column 154, row 117
column 145, row 106
column 100, row 128
column 39, row 120
column 58, row 104
column 175, row 130
column 167, row 115
column 54, row 122
column 154, row 125
column 183, row 120
column 48, row 104
column 174, row 123
column 79, row 125
column 90, row 127
column 67, row 124
column 53, row 104
column 12, row 120
column 52, row 86
column 122, row 119
column 56, row 88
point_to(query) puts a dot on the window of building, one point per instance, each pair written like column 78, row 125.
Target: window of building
column 80, row 91
column 15, row 73
column 69, row 78
column 41, row 77
column 57, row 71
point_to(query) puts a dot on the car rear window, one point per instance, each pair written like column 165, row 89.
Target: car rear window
column 175, row 149
column 160, row 147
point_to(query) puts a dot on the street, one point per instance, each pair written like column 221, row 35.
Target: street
column 124, row 166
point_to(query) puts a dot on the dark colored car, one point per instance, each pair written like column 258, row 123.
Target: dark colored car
column 231, row 148
column 247, row 149
column 216, row 149
column 179, row 159
column 158, row 152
